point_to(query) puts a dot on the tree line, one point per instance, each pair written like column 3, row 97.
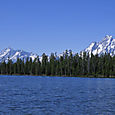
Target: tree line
column 83, row 65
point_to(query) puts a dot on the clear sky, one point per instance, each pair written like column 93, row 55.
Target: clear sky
column 40, row 26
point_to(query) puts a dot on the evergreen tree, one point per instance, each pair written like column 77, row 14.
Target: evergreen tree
column 65, row 65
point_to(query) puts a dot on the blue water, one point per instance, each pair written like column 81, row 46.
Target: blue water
column 28, row 95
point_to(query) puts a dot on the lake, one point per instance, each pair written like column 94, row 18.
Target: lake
column 35, row 95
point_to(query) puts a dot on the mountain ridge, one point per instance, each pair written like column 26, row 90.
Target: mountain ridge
column 9, row 53
column 107, row 45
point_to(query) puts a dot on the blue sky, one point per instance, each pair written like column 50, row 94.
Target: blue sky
column 54, row 25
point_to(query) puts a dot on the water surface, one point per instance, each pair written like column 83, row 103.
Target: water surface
column 32, row 95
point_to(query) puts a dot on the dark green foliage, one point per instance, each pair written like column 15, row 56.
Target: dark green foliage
column 65, row 65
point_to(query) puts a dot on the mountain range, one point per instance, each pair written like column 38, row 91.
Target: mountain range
column 12, row 54
column 107, row 45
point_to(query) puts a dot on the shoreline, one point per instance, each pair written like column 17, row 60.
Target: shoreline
column 90, row 76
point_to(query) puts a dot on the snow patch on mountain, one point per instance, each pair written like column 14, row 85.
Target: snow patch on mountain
column 107, row 45
column 12, row 54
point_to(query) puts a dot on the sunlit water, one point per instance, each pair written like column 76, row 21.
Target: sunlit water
column 28, row 95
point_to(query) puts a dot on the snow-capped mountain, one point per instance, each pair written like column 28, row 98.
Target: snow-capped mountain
column 12, row 54
column 107, row 45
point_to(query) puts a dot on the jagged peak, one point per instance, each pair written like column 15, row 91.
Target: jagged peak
column 108, row 37
column 14, row 54
column 7, row 49
column 107, row 45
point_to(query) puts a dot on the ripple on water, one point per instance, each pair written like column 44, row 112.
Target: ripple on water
column 55, row 95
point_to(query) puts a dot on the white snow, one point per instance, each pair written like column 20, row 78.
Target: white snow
column 107, row 45
column 14, row 54
column 4, row 53
column 90, row 47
